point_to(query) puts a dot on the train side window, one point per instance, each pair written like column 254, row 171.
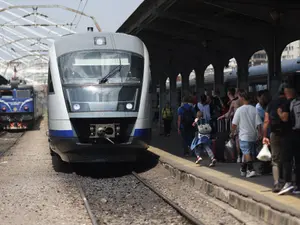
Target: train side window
column 50, row 84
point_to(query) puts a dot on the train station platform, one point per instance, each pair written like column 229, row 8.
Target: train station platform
column 252, row 195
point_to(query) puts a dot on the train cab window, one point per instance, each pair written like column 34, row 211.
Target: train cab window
column 23, row 94
column 50, row 84
column 6, row 94
column 98, row 67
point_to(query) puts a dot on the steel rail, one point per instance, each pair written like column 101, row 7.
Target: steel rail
column 180, row 210
column 86, row 203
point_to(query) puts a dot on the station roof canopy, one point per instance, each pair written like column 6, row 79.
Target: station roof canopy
column 211, row 24
column 3, row 81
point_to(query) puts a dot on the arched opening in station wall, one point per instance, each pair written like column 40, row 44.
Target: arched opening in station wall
column 290, row 64
column 229, row 73
column 168, row 89
column 192, row 81
column 209, row 78
column 178, row 87
column 291, row 51
column 258, row 64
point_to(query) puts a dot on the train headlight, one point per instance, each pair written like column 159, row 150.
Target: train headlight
column 92, row 130
column 129, row 106
column 118, row 130
column 76, row 107
column 100, row 41
column 3, row 108
column 26, row 108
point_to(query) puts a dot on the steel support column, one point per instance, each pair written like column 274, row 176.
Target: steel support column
column 274, row 64
column 154, row 95
column 200, row 80
column 185, row 83
column 173, row 92
column 219, row 79
column 162, row 97
column 242, row 74
column 173, row 98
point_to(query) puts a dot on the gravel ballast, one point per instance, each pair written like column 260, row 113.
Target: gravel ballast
column 188, row 198
column 31, row 191
column 125, row 200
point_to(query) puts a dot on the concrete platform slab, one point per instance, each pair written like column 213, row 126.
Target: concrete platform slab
column 253, row 195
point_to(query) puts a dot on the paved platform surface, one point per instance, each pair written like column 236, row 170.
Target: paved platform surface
column 225, row 174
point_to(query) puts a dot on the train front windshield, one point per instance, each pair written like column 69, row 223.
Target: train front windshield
column 102, row 81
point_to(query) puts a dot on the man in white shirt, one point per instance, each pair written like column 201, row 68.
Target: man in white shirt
column 248, row 121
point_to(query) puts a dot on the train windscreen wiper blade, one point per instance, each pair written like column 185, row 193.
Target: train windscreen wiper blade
column 111, row 73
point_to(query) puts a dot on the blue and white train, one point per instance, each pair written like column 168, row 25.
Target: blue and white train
column 20, row 105
column 257, row 76
column 98, row 97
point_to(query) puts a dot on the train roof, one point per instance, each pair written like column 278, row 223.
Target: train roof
column 86, row 41
column 287, row 67
column 20, row 87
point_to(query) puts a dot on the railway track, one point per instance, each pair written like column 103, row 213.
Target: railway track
column 95, row 219
column 180, row 210
column 2, row 133
column 86, row 203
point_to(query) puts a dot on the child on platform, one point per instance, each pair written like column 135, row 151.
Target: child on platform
column 202, row 139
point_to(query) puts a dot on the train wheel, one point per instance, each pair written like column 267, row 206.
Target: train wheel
column 52, row 153
column 58, row 164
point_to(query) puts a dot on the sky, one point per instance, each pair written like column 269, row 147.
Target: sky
column 110, row 15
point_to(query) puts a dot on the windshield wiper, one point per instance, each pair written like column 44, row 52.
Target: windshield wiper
column 111, row 73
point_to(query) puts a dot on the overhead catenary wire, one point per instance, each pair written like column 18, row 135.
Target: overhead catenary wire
column 80, row 1
column 82, row 12
column 42, row 18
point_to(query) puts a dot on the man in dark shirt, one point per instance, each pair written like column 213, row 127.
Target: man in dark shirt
column 292, row 144
column 186, row 115
column 274, row 136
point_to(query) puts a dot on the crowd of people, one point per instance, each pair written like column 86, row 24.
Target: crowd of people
column 266, row 120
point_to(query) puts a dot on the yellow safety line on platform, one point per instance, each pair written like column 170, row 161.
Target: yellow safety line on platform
column 290, row 201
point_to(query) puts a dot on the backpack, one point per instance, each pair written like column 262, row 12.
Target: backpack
column 295, row 113
column 187, row 119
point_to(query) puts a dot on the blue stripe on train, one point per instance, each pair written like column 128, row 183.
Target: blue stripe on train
column 142, row 132
column 69, row 133
column 61, row 133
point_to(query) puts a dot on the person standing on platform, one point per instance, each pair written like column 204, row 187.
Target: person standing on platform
column 290, row 114
column 248, row 122
column 263, row 98
column 276, row 138
column 186, row 116
column 234, row 105
column 167, row 116
column 203, row 106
